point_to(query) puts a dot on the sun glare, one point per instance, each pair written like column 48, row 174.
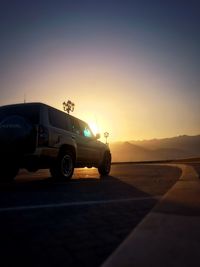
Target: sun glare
column 94, row 127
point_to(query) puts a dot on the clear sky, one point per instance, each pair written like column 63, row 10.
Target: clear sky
column 131, row 67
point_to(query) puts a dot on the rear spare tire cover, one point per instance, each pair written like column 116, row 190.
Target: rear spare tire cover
column 14, row 133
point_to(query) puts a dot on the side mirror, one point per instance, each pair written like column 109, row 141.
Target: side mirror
column 97, row 136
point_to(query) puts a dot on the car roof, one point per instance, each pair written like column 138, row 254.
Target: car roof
column 22, row 104
column 39, row 104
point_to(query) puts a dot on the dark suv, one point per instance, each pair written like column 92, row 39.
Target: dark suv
column 36, row 136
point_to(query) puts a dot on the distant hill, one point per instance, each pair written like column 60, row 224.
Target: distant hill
column 157, row 149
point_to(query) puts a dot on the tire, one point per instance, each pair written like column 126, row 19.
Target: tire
column 104, row 168
column 63, row 168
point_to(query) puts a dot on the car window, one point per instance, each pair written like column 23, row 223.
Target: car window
column 75, row 126
column 85, row 130
column 58, row 119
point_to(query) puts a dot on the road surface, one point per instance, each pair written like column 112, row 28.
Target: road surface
column 78, row 223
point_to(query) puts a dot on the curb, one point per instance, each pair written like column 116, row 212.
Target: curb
column 170, row 234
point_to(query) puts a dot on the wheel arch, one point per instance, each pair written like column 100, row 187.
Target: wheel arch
column 66, row 147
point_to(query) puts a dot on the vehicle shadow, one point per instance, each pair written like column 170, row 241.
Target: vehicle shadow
column 92, row 229
column 46, row 190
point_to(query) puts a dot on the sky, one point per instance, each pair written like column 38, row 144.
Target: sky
column 132, row 68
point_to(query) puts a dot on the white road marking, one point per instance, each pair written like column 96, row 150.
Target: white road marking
column 78, row 203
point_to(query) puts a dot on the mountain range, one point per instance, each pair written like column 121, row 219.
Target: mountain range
column 179, row 147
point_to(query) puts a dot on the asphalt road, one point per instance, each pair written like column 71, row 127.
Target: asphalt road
column 196, row 166
column 78, row 223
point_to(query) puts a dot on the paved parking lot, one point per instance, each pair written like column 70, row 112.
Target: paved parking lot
column 78, row 223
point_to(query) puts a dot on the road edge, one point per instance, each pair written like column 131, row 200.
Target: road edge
column 170, row 234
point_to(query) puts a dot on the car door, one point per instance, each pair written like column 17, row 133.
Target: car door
column 81, row 152
column 91, row 145
column 59, row 126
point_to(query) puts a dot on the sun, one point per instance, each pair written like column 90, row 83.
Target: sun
column 94, row 127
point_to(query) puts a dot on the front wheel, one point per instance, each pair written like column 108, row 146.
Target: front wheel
column 63, row 168
column 104, row 168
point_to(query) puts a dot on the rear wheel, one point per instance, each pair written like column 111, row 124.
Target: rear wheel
column 104, row 168
column 63, row 168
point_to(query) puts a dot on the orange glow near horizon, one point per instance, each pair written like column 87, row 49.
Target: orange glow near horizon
column 127, row 115
column 110, row 95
